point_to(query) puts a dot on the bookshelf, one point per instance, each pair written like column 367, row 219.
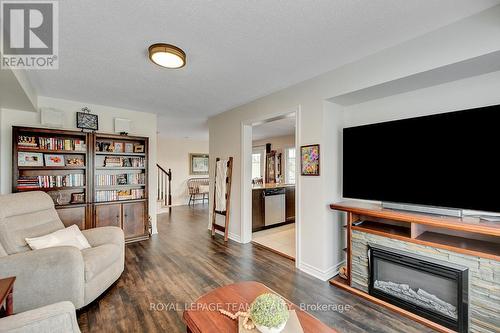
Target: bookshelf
column 120, row 183
column 94, row 179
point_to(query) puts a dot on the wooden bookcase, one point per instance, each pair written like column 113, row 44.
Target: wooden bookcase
column 120, row 184
column 82, row 172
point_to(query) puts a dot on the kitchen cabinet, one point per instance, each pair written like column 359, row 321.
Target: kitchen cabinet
column 258, row 216
column 290, row 203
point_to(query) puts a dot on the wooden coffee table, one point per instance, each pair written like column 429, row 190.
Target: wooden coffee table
column 204, row 317
column 6, row 291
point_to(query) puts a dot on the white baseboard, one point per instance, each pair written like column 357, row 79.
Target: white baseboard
column 230, row 235
column 323, row 275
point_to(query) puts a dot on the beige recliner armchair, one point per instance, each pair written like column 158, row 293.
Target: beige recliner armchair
column 55, row 274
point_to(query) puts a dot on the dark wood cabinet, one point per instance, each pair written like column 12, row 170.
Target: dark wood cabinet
column 257, row 209
column 134, row 219
column 108, row 215
column 74, row 215
column 290, row 203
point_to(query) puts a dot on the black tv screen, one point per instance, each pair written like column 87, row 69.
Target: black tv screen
column 446, row 160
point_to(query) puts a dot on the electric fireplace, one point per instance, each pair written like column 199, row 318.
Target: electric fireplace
column 428, row 287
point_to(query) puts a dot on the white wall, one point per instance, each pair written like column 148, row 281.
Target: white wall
column 143, row 124
column 278, row 143
column 321, row 121
column 174, row 154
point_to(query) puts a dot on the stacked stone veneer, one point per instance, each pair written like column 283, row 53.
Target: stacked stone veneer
column 484, row 276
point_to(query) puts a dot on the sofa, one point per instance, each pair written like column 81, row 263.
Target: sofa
column 55, row 318
column 56, row 274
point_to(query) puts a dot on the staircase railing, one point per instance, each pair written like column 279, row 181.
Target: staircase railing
column 164, row 187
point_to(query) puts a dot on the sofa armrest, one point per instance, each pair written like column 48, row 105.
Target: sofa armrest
column 104, row 235
column 58, row 317
column 45, row 276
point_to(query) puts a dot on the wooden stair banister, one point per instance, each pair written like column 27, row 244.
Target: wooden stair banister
column 164, row 186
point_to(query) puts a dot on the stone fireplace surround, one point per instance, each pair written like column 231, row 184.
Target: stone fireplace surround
column 484, row 276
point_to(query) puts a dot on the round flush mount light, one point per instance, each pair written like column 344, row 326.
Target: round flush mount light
column 167, row 55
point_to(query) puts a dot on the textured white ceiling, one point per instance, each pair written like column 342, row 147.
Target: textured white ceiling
column 281, row 127
column 237, row 50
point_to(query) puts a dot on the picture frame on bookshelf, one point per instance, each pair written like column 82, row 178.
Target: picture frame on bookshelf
column 129, row 147
column 77, row 198
column 121, row 179
column 54, row 160
column 29, row 159
column 119, row 147
column 138, row 148
column 74, row 161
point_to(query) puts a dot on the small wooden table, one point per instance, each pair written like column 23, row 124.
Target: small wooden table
column 6, row 291
column 204, row 317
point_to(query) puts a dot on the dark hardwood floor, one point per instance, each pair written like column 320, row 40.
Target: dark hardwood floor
column 183, row 262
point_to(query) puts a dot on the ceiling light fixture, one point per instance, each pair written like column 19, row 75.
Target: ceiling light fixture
column 167, row 55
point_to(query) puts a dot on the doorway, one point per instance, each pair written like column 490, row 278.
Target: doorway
column 273, row 179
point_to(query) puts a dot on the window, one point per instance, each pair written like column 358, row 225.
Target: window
column 290, row 168
column 258, row 162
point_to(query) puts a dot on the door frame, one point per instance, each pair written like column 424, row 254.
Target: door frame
column 246, row 175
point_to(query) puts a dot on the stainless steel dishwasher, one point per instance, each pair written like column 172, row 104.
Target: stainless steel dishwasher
column 274, row 205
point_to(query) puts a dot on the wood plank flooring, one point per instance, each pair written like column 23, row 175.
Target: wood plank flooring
column 183, row 262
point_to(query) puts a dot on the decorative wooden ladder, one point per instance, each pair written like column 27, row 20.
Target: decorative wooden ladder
column 215, row 226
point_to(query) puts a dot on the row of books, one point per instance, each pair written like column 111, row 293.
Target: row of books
column 114, row 195
column 121, row 179
column 32, row 182
column 30, row 142
column 130, row 162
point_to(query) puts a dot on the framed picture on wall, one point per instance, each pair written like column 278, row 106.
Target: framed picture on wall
column 309, row 160
column 88, row 121
column 198, row 164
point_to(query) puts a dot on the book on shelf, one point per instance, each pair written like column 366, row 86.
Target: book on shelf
column 121, row 179
column 126, row 162
column 30, row 142
column 117, row 195
column 32, row 182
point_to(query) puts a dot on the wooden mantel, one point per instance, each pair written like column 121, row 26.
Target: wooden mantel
column 467, row 235
column 468, row 224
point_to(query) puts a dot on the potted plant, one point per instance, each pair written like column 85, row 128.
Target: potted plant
column 269, row 313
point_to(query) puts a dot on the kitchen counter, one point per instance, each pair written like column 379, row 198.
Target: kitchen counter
column 268, row 186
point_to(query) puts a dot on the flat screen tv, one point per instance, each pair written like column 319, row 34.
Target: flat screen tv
column 444, row 160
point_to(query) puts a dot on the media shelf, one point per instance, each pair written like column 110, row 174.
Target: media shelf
column 51, row 160
column 468, row 235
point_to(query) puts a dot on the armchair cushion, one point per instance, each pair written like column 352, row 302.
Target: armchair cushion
column 45, row 276
column 3, row 253
column 98, row 259
column 25, row 215
column 104, row 235
column 55, row 318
